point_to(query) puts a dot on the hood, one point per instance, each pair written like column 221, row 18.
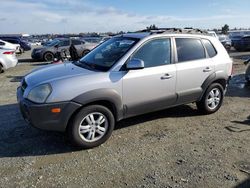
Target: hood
column 55, row 72
column 36, row 49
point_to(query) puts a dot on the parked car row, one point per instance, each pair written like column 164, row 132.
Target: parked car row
column 49, row 50
column 243, row 44
column 8, row 59
column 240, row 39
column 226, row 41
column 24, row 45
column 10, row 46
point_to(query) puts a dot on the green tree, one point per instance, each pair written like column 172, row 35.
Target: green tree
column 225, row 29
column 152, row 27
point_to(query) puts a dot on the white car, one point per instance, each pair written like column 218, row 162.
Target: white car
column 8, row 59
column 10, row 46
column 213, row 34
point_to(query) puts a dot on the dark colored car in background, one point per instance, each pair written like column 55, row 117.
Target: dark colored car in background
column 247, row 74
column 48, row 52
column 225, row 41
column 24, row 45
column 243, row 44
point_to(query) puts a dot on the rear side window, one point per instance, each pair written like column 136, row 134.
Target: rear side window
column 210, row 48
column 189, row 49
column 2, row 43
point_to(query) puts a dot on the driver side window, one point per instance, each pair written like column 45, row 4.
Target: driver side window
column 154, row 53
column 64, row 43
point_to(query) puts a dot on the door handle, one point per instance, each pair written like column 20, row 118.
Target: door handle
column 207, row 69
column 166, row 76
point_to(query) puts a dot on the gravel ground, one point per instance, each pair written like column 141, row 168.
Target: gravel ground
column 177, row 147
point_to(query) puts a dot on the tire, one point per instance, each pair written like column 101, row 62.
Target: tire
column 208, row 103
column 85, row 133
column 85, row 52
column 228, row 47
column 1, row 69
column 48, row 56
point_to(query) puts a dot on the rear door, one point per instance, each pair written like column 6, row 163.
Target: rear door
column 193, row 68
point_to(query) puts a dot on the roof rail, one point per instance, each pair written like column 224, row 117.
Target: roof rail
column 174, row 30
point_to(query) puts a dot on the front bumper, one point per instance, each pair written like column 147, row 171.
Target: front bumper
column 36, row 55
column 40, row 115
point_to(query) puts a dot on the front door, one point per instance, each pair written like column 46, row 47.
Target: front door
column 151, row 88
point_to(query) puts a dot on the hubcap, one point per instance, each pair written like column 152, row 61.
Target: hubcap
column 93, row 127
column 214, row 98
column 49, row 57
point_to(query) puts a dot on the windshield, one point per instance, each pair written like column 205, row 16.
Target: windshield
column 53, row 43
column 108, row 53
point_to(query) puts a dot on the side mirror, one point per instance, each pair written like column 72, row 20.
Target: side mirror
column 135, row 64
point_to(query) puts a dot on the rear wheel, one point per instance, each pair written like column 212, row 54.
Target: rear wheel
column 212, row 99
column 1, row 68
column 91, row 127
column 48, row 56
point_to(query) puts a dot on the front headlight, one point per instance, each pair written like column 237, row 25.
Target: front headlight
column 40, row 93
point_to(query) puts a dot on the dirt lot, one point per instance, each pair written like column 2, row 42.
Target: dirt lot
column 173, row 148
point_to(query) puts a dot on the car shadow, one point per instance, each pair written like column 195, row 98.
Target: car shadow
column 17, row 139
column 26, row 60
column 238, row 87
column 243, row 126
column 41, row 64
column 179, row 111
column 244, row 184
column 15, row 78
column 245, row 122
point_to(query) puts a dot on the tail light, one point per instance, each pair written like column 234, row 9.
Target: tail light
column 9, row 53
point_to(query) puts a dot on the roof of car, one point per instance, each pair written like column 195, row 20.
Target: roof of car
column 170, row 32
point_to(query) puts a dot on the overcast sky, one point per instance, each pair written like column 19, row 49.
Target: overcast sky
column 74, row 16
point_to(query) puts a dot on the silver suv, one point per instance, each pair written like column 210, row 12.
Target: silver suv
column 128, row 75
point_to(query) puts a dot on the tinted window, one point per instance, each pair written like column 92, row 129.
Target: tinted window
column 2, row 43
column 247, row 39
column 76, row 42
column 155, row 53
column 12, row 41
column 210, row 48
column 64, row 43
column 189, row 49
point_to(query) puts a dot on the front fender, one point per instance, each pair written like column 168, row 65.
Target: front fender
column 108, row 95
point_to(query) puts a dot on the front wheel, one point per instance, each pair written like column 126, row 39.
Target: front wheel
column 91, row 127
column 1, row 68
column 212, row 99
column 48, row 56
